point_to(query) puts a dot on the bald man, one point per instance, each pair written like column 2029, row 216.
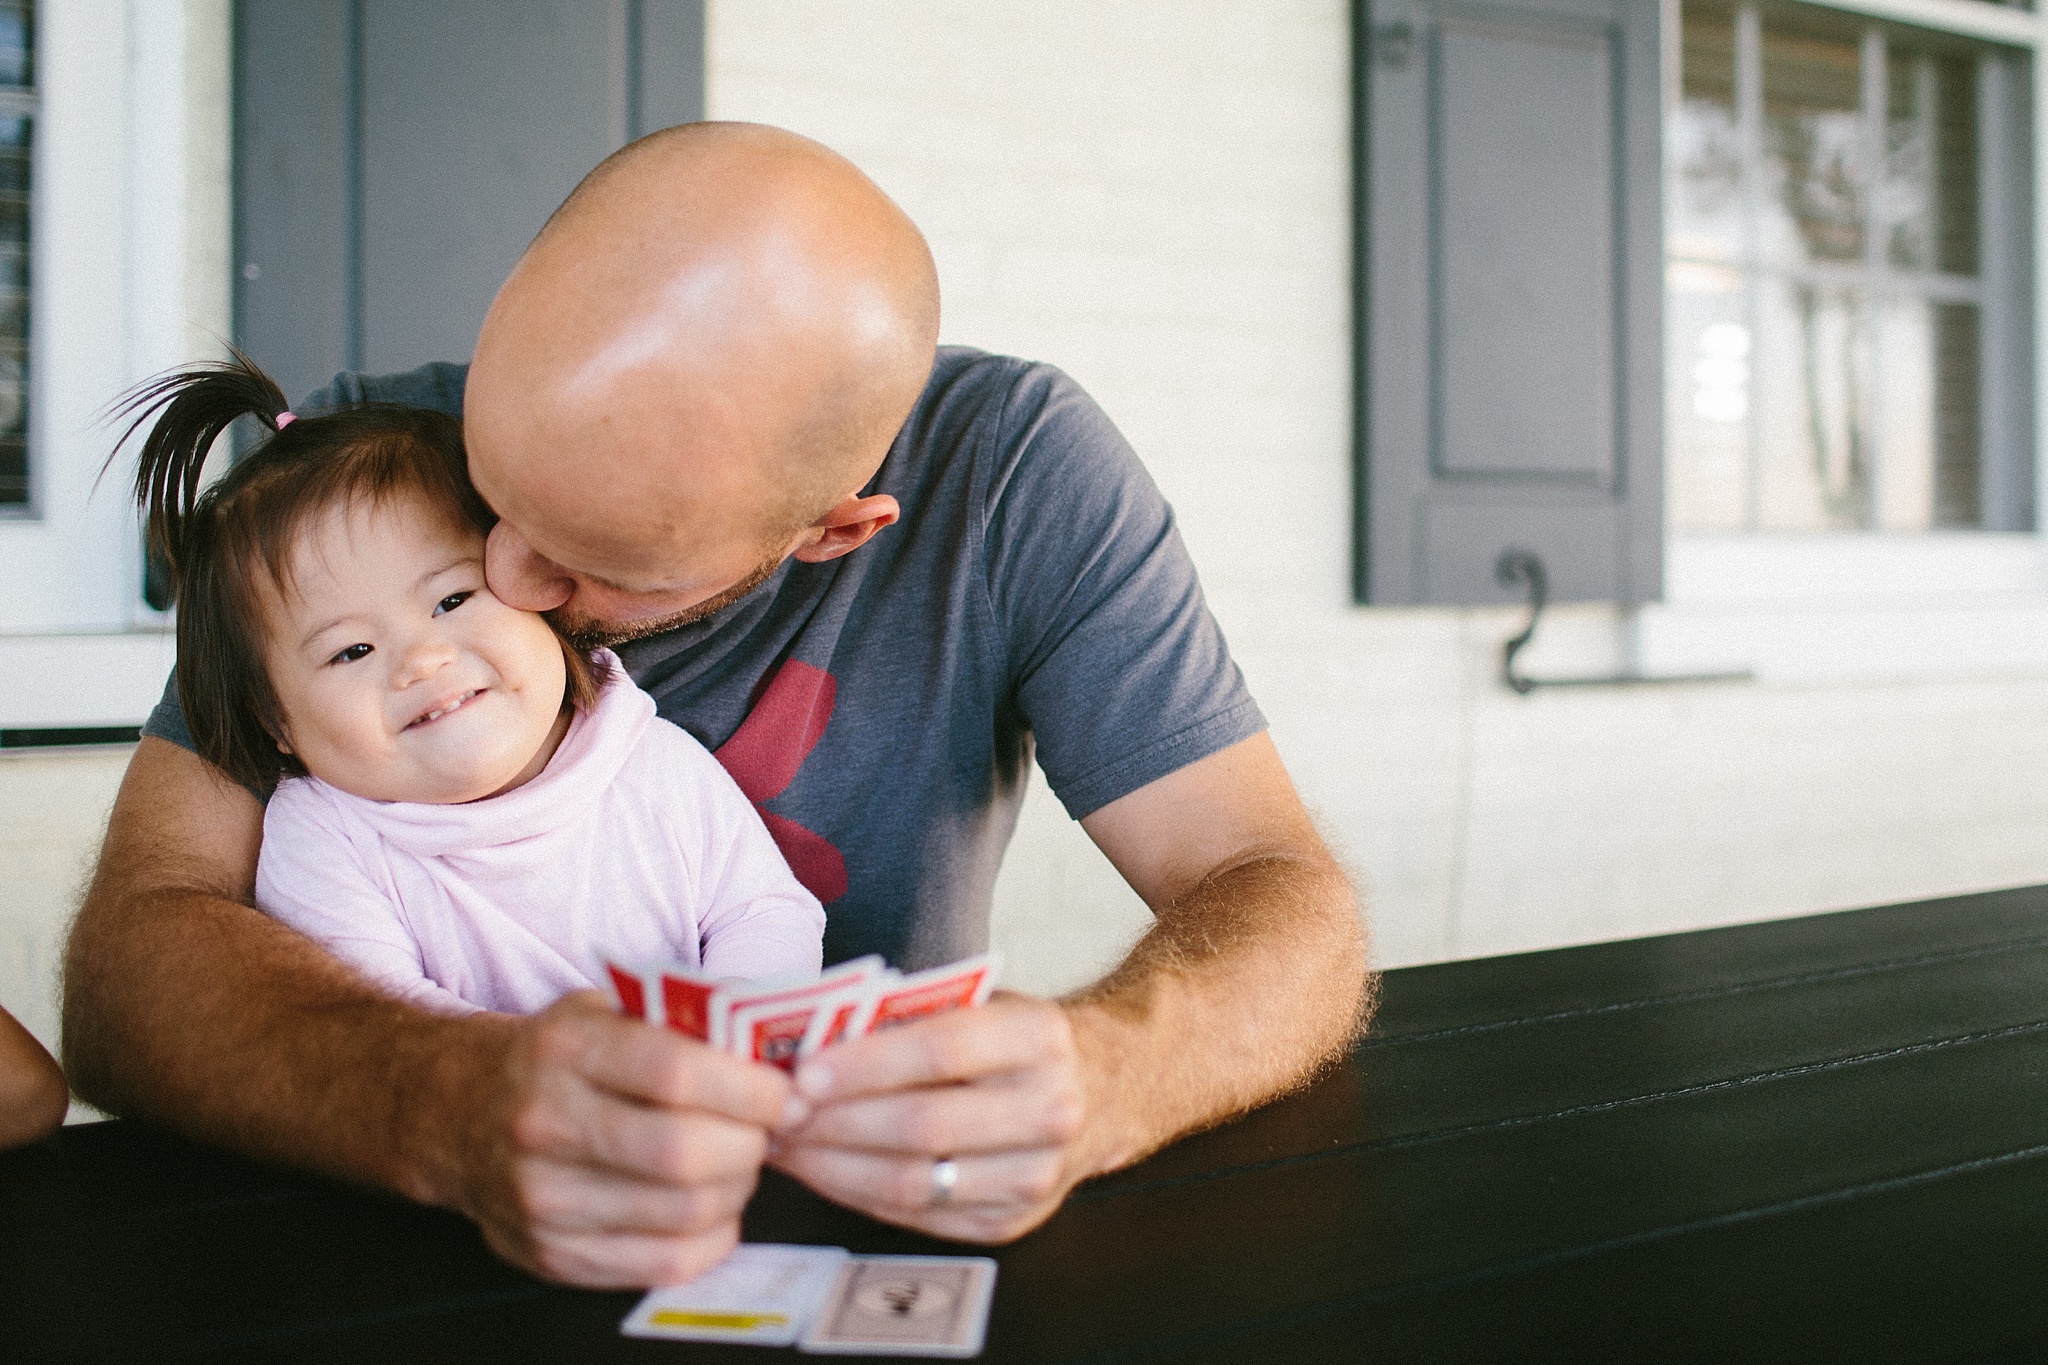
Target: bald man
column 873, row 577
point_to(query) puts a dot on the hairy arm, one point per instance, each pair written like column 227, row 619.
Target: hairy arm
column 588, row 1148
column 1253, row 974
column 1251, row 978
column 185, row 1005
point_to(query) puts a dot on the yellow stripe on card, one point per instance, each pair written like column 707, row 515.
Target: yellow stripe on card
column 728, row 1322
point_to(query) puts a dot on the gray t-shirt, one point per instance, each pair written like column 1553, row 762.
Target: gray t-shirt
column 880, row 709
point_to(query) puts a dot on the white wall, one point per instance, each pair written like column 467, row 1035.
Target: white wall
column 52, row 809
column 1156, row 196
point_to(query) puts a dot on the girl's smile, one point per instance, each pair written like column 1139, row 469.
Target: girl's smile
column 445, row 708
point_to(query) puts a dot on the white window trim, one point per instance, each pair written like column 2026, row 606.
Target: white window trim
column 129, row 276
column 1871, row 604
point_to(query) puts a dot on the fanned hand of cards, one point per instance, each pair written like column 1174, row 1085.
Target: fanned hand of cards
column 827, row 1302
column 779, row 1022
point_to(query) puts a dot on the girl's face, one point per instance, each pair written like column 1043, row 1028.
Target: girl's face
column 400, row 676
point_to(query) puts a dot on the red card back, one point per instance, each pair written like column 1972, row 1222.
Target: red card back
column 689, row 1005
column 774, row 1038
column 632, row 997
column 918, row 998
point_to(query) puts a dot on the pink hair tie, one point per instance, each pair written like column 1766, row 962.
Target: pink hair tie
column 285, row 419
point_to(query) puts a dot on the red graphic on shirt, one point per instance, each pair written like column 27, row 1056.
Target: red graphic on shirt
column 764, row 755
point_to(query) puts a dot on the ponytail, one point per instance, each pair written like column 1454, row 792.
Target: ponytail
column 192, row 407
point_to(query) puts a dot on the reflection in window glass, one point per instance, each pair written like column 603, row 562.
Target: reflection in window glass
column 1823, row 275
column 17, row 119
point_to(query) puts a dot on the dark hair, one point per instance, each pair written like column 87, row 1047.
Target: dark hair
column 217, row 542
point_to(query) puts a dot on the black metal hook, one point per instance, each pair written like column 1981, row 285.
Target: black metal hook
column 1525, row 566
column 1520, row 566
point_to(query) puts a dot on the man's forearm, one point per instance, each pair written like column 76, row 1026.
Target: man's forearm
column 204, row 1015
column 1243, row 988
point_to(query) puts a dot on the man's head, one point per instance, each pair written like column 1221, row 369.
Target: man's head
column 692, row 373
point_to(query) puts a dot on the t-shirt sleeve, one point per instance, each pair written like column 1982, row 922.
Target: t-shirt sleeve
column 167, row 718
column 1119, row 668
column 438, row 386
column 311, row 876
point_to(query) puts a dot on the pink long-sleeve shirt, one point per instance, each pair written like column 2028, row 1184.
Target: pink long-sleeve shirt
column 633, row 843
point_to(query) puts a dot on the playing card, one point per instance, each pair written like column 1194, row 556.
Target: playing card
column 842, row 1014
column 690, row 1004
column 680, row 998
column 959, row 985
column 768, row 1023
column 765, row 1294
column 905, row 1306
column 778, row 1022
column 629, row 991
column 771, row 1031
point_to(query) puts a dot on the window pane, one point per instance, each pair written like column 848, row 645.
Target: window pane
column 1707, row 397
column 1812, row 132
column 1930, row 192
column 1826, row 340
column 1813, row 445
column 1705, row 145
column 16, row 132
column 1958, row 386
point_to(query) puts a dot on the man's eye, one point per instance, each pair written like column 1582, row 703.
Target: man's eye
column 452, row 601
column 351, row 654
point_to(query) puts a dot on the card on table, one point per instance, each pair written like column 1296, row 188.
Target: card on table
column 824, row 1301
column 905, row 1306
column 764, row 1294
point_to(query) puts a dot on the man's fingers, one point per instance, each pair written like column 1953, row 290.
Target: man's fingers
column 657, row 1066
column 995, row 1196
column 1022, row 1109
column 683, row 1147
column 614, row 1260
column 561, row 1198
column 1009, row 1033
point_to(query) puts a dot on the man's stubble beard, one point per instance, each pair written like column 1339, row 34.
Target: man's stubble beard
column 588, row 635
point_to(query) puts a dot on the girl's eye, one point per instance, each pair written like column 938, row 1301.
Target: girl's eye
column 351, row 654
column 452, row 601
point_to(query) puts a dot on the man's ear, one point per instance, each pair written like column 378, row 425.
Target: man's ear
column 846, row 527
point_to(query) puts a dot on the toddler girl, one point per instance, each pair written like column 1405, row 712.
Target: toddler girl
column 461, row 805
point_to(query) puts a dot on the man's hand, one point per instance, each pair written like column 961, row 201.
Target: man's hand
column 617, row 1154
column 1251, row 977
column 999, row 1090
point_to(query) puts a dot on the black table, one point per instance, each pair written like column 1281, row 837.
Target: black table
column 1816, row 1139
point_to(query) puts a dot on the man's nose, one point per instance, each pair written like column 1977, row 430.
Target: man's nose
column 521, row 576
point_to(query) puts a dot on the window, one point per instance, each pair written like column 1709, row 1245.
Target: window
column 17, row 118
column 1845, row 283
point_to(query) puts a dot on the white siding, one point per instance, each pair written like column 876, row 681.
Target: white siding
column 1156, row 196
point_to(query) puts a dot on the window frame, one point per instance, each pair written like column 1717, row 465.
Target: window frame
column 1873, row 603
column 1993, row 287
column 128, row 233
column 1981, row 21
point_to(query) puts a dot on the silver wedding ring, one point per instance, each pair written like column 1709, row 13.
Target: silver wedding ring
column 945, row 1175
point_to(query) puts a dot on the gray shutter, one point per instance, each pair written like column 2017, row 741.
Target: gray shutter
column 1510, row 258
column 392, row 159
